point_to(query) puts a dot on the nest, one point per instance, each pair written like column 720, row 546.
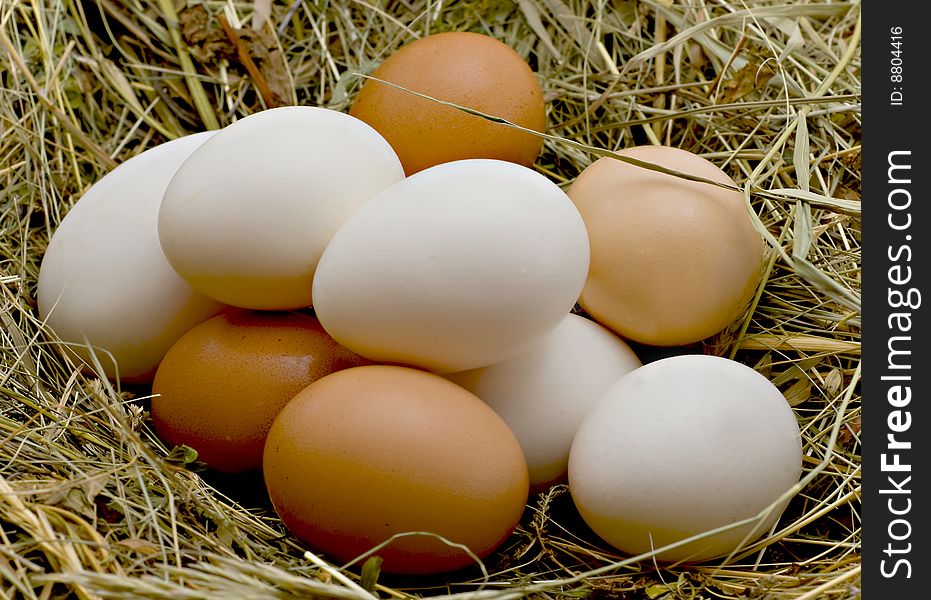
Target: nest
column 93, row 505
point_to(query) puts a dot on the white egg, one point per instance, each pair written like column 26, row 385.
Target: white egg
column 456, row 267
column 544, row 392
column 104, row 280
column 247, row 217
column 682, row 446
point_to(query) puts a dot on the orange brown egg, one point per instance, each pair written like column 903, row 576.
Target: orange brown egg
column 467, row 69
column 220, row 386
column 673, row 261
column 367, row 453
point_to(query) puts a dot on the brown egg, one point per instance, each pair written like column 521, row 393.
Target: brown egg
column 672, row 261
column 220, row 385
column 467, row 69
column 366, row 453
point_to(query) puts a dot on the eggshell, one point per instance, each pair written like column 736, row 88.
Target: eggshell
column 104, row 280
column 466, row 69
column 672, row 261
column 456, row 267
column 221, row 385
column 248, row 215
column 370, row 452
column 544, row 392
column 682, row 446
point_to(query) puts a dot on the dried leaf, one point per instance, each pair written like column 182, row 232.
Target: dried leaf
column 849, row 433
column 75, row 500
column 263, row 46
column 833, row 382
column 799, row 392
column 209, row 43
column 854, row 160
column 323, row 576
column 261, row 57
column 226, row 531
column 846, row 193
column 79, row 496
column 203, row 36
column 140, row 546
column 747, row 79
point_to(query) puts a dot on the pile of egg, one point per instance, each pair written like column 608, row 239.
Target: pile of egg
column 374, row 309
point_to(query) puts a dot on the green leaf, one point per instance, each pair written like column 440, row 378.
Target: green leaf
column 657, row 590
column 370, row 572
column 182, row 455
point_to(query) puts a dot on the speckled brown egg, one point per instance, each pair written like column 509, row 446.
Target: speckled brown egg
column 220, row 386
column 370, row 452
column 467, row 69
column 673, row 261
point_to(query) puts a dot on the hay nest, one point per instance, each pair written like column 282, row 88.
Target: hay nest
column 93, row 505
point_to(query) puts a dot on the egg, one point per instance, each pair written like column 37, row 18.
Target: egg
column 682, row 446
column 247, row 216
column 367, row 453
column 456, row 267
column 221, row 385
column 544, row 392
column 467, row 69
column 105, row 286
column 673, row 261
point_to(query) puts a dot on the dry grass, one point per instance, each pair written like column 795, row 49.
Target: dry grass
column 92, row 505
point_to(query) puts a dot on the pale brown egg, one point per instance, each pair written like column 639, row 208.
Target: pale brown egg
column 374, row 451
column 220, row 386
column 673, row 261
column 467, row 69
